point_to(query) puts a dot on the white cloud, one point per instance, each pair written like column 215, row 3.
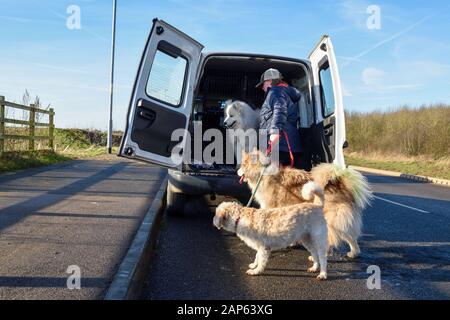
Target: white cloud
column 379, row 82
column 372, row 77
column 403, row 86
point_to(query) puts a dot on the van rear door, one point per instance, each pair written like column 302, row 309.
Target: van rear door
column 161, row 101
column 328, row 99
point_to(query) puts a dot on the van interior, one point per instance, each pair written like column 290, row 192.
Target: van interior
column 234, row 77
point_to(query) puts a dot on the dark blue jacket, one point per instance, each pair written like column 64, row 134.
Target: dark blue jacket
column 280, row 112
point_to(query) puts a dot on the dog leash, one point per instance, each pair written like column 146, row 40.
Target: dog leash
column 291, row 155
column 268, row 152
column 249, row 203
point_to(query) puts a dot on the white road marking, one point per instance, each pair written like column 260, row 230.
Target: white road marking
column 401, row 205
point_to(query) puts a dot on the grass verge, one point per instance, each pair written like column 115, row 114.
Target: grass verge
column 70, row 144
column 437, row 168
column 12, row 161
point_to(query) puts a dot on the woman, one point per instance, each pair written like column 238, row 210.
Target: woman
column 279, row 116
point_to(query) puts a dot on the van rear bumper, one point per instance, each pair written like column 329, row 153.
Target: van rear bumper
column 204, row 184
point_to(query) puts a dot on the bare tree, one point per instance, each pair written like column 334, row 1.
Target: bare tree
column 26, row 98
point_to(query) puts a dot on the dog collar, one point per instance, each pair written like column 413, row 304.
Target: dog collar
column 236, row 224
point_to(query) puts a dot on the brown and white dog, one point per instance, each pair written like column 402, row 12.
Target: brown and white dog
column 265, row 230
column 346, row 194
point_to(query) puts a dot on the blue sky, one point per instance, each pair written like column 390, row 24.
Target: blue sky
column 404, row 62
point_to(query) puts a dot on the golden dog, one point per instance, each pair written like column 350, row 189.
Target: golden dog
column 346, row 194
column 265, row 230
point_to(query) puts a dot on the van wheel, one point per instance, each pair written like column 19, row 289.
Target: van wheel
column 175, row 202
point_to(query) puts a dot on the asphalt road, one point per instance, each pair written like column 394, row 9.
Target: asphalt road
column 406, row 234
column 82, row 213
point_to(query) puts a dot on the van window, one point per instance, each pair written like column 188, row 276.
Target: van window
column 166, row 79
column 327, row 91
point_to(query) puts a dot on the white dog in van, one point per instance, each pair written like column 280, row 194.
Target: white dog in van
column 240, row 117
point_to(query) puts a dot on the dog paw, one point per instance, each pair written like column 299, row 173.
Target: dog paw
column 252, row 265
column 310, row 259
column 312, row 269
column 253, row 272
column 322, row 276
column 352, row 255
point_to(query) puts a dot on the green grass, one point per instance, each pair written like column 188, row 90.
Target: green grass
column 408, row 140
column 423, row 167
column 70, row 144
column 13, row 161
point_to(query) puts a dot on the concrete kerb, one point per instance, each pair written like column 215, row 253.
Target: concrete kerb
column 129, row 279
column 408, row 176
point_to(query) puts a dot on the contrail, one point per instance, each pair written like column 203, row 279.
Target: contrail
column 62, row 16
column 83, row 28
column 391, row 38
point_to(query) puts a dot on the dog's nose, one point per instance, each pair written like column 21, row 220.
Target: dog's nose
column 216, row 223
column 229, row 124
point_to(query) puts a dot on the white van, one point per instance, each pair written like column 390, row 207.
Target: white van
column 178, row 85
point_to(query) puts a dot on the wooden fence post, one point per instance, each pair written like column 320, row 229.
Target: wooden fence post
column 32, row 121
column 2, row 124
column 51, row 120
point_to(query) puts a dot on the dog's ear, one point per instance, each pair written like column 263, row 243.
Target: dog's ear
column 218, row 217
column 223, row 218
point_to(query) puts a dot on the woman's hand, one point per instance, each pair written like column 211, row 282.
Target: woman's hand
column 274, row 137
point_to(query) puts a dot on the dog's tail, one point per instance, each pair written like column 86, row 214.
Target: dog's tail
column 351, row 180
column 359, row 187
column 312, row 191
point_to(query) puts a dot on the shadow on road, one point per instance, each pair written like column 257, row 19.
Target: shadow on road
column 192, row 261
column 49, row 282
column 10, row 215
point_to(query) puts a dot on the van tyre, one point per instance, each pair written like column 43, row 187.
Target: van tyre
column 175, row 202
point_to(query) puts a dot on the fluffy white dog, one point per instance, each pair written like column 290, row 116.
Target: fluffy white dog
column 241, row 119
column 265, row 230
column 240, row 115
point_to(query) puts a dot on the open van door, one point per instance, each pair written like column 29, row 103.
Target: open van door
column 161, row 101
column 328, row 100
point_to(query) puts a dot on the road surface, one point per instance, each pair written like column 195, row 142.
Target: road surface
column 406, row 234
column 83, row 213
